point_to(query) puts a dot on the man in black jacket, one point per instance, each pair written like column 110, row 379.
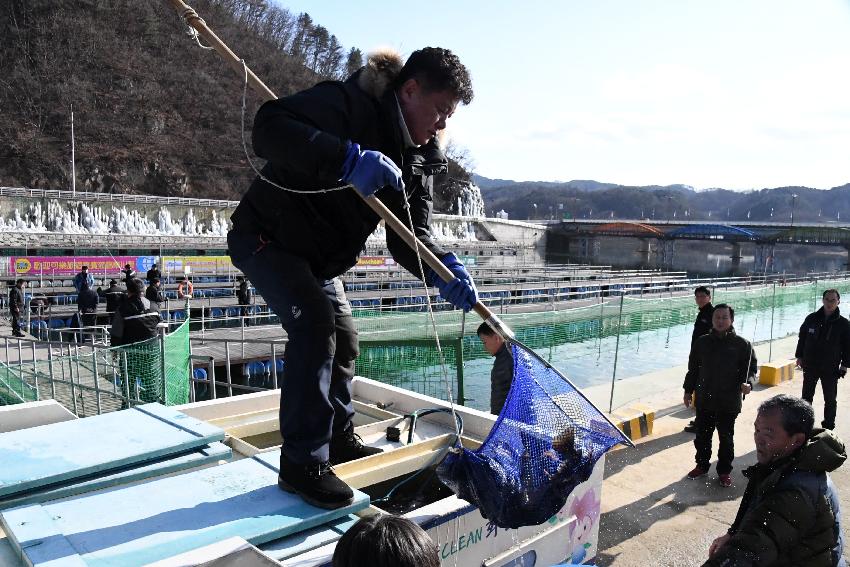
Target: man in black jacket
column 136, row 321
column 301, row 225
column 16, row 306
column 720, row 370
column 113, row 295
column 153, row 274
column 702, row 326
column 823, row 352
column 502, row 373
column 154, row 294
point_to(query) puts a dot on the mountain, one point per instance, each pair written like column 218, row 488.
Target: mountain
column 591, row 199
column 153, row 112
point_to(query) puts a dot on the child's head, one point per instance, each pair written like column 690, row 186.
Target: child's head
column 385, row 540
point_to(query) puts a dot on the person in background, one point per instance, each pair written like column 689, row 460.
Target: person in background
column 154, row 294
column 153, row 274
column 185, row 288
column 823, row 352
column 87, row 300
column 720, row 370
column 113, row 295
column 373, row 134
column 502, row 373
column 83, row 277
column 129, row 274
column 16, row 306
column 385, row 540
column 135, row 320
column 790, row 513
column 702, row 326
column 243, row 294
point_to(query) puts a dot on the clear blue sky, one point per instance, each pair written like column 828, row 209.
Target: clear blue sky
column 723, row 93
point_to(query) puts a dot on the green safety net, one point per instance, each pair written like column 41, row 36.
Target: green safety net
column 399, row 348
column 90, row 381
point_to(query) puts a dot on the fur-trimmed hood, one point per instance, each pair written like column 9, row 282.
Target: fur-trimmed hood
column 382, row 67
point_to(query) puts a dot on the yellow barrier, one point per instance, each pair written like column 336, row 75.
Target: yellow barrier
column 635, row 421
column 773, row 373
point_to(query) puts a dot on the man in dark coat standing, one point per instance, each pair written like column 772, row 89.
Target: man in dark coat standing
column 823, row 352
column 720, row 370
column 153, row 274
column 702, row 326
column 790, row 514
column 300, row 226
column 502, row 373
column 114, row 295
column 16, row 306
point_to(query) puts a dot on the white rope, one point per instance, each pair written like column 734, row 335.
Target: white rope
column 250, row 161
column 192, row 32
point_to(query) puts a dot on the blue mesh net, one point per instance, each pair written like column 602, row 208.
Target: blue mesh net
column 544, row 443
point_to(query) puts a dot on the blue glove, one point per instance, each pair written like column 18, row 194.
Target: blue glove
column 369, row 171
column 461, row 291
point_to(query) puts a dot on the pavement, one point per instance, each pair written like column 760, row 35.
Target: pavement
column 651, row 513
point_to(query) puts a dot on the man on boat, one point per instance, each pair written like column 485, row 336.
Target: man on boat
column 300, row 226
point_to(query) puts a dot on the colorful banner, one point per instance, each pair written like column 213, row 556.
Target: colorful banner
column 195, row 264
column 69, row 265
column 375, row 262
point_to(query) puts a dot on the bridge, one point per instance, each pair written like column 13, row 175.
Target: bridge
column 764, row 236
column 822, row 234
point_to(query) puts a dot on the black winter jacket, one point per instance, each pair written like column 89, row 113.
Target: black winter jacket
column 16, row 300
column 790, row 514
column 304, row 138
column 824, row 343
column 87, row 300
column 114, row 295
column 154, row 294
column 501, row 377
column 134, row 321
column 702, row 326
column 717, row 366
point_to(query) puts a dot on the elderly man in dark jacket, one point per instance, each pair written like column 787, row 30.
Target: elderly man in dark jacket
column 720, row 370
column 823, row 352
column 790, row 513
column 301, row 225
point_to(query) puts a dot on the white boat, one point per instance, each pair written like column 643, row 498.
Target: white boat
column 206, row 498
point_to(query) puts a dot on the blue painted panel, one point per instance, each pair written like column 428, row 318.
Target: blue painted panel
column 163, row 465
column 33, row 530
column 44, row 455
column 139, row 524
column 302, row 542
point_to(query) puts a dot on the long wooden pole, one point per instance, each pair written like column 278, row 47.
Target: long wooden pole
column 195, row 21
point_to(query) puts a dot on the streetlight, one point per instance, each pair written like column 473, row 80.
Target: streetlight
column 535, row 210
column 793, row 202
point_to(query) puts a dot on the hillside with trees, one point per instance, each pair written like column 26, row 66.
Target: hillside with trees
column 590, row 199
column 153, row 112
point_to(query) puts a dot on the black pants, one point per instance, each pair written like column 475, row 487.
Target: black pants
column 16, row 322
column 315, row 396
column 829, row 385
column 706, row 422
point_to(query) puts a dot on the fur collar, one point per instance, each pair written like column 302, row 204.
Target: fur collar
column 382, row 67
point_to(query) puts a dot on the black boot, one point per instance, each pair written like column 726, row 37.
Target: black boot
column 316, row 483
column 348, row 446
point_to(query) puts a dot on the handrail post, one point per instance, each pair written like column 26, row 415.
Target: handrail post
column 162, row 368
column 616, row 353
column 227, row 368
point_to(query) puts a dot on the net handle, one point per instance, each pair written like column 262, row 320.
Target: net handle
column 193, row 20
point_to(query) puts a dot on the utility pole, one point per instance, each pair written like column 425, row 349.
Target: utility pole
column 73, row 165
column 793, row 203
